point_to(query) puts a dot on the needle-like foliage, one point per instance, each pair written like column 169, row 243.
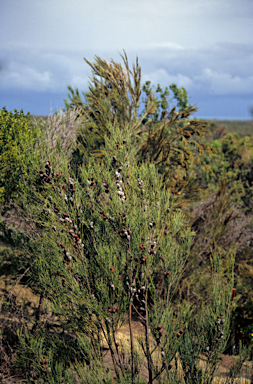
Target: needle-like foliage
column 165, row 137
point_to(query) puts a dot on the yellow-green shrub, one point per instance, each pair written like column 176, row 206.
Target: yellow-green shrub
column 17, row 152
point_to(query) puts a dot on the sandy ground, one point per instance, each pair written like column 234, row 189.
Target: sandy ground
column 22, row 294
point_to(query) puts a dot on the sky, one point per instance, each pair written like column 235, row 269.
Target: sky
column 205, row 46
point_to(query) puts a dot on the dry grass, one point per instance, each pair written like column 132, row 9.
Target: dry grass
column 60, row 130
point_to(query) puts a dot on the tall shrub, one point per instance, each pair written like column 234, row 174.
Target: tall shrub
column 163, row 133
column 112, row 248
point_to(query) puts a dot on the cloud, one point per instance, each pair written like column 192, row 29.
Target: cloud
column 236, row 59
column 161, row 76
column 99, row 25
column 42, row 70
column 222, row 83
column 79, row 82
column 216, row 71
column 208, row 82
column 21, row 76
column 165, row 44
column 203, row 46
column 223, row 69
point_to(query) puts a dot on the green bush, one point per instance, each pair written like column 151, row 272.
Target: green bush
column 17, row 153
column 114, row 248
column 232, row 163
column 163, row 133
column 111, row 246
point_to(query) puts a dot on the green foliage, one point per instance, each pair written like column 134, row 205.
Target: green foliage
column 173, row 147
column 159, row 135
column 224, row 219
column 107, row 252
column 232, row 162
column 47, row 355
column 113, row 246
column 160, row 111
column 113, row 98
column 17, row 153
column 161, row 104
column 204, row 338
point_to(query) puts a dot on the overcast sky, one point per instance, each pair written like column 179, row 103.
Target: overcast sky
column 205, row 46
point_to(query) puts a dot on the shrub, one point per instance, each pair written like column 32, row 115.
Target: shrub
column 110, row 246
column 162, row 135
column 17, row 153
column 113, row 248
